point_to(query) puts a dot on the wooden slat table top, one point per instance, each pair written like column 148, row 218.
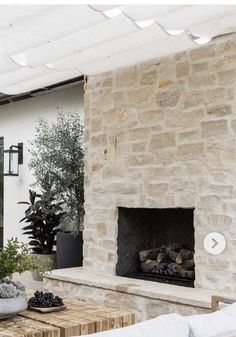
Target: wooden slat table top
column 81, row 318
column 24, row 327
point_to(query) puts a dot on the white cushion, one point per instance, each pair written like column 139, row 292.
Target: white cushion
column 221, row 323
column 163, row 326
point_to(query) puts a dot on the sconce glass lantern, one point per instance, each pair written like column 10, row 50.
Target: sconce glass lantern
column 12, row 159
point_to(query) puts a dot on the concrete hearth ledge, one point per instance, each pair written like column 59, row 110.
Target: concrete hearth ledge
column 189, row 296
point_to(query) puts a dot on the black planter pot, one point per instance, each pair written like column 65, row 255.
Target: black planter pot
column 69, row 250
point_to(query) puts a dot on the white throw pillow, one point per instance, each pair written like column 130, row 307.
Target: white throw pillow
column 221, row 323
column 163, row 326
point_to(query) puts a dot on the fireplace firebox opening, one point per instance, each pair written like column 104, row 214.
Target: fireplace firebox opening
column 156, row 244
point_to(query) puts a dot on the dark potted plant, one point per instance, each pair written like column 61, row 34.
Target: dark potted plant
column 43, row 216
column 57, row 158
column 14, row 258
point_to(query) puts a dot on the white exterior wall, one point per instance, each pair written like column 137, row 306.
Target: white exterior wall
column 17, row 124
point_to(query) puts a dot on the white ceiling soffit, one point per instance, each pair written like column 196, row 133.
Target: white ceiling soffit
column 39, row 82
column 7, row 65
column 147, row 12
column 188, row 16
column 81, row 40
column 46, row 28
column 102, row 8
column 42, row 45
column 21, row 13
column 222, row 25
column 128, row 42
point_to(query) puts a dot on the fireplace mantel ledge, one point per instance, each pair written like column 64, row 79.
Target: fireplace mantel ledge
column 197, row 297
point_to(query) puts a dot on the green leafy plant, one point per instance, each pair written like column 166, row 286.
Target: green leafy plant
column 15, row 258
column 43, row 214
column 57, row 162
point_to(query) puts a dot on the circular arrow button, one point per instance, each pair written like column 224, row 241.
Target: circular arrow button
column 214, row 243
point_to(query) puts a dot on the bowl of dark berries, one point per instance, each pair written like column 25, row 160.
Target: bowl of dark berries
column 46, row 302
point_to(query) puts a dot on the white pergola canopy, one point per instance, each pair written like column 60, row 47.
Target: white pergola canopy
column 44, row 45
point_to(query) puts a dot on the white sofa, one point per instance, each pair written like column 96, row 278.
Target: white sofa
column 218, row 324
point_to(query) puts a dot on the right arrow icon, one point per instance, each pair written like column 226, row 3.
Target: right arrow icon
column 215, row 243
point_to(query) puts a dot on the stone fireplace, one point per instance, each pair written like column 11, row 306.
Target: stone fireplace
column 147, row 235
column 160, row 136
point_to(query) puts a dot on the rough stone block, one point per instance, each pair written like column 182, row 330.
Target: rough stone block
column 157, row 189
column 157, row 174
column 227, row 77
column 219, row 109
column 141, row 160
column 181, row 56
column 166, row 156
column 181, row 184
column 191, row 99
column 202, row 53
column 101, row 229
column 199, row 80
column 125, row 113
column 226, row 62
column 139, row 147
column 162, row 140
column 221, row 154
column 165, row 83
column 210, row 202
column 109, row 244
column 192, row 118
column 126, row 77
column 226, row 47
column 214, row 128
column 167, row 98
column 219, row 95
column 99, row 140
column 139, row 134
column 95, row 111
column 102, row 97
column 190, row 151
column 119, row 98
column 225, row 191
column 141, row 95
column 199, row 67
column 149, row 78
column 112, row 173
column 182, row 69
column 188, row 136
column 173, row 119
column 97, row 167
column 151, row 117
column 96, row 124
column 109, row 116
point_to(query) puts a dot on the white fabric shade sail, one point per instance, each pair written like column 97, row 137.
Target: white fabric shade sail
column 41, row 45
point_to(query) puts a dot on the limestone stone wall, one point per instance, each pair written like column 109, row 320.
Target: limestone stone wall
column 162, row 134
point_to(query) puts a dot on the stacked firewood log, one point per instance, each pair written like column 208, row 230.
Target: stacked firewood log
column 172, row 260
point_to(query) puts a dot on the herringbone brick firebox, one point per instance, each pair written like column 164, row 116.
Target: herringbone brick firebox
column 141, row 229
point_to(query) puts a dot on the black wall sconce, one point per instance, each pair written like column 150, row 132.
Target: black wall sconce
column 12, row 159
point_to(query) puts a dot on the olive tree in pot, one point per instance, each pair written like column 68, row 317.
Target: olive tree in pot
column 42, row 216
column 57, row 153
